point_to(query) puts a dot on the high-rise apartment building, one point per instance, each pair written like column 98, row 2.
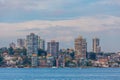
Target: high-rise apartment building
column 21, row 43
column 80, row 47
column 96, row 45
column 41, row 43
column 32, row 44
column 53, row 48
column 13, row 45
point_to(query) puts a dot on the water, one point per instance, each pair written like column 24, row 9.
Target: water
column 60, row 74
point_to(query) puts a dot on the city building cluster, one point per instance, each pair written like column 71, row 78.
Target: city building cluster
column 31, row 52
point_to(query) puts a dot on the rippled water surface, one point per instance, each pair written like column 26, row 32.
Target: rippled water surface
column 60, row 74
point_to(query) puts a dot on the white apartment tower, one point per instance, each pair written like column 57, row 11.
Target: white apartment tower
column 32, row 44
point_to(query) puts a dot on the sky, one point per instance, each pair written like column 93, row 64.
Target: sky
column 62, row 20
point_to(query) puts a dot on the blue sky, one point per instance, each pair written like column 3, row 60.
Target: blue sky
column 62, row 20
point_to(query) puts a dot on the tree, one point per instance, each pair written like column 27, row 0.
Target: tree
column 72, row 55
column 42, row 52
column 11, row 51
column 26, row 61
column 92, row 55
column 24, row 51
column 1, row 60
column 21, row 51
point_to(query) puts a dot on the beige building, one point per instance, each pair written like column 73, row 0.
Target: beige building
column 80, row 47
column 96, row 45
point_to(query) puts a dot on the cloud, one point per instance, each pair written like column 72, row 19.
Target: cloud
column 108, row 2
column 59, row 19
column 33, row 4
column 52, row 4
column 25, row 10
column 65, row 31
column 82, row 24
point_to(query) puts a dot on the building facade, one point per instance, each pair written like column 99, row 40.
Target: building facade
column 13, row 45
column 53, row 48
column 32, row 44
column 41, row 43
column 21, row 43
column 96, row 45
column 80, row 47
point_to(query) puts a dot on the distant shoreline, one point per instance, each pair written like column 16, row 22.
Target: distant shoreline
column 58, row 67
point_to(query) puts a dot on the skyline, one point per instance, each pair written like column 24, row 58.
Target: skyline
column 62, row 20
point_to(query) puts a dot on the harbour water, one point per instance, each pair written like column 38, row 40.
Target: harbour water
column 59, row 74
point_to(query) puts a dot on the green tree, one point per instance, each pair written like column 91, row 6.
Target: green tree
column 21, row 51
column 91, row 55
column 11, row 51
column 42, row 52
column 26, row 61
column 72, row 55
column 1, row 60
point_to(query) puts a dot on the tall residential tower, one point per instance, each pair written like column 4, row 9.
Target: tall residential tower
column 32, row 44
column 21, row 43
column 41, row 43
column 13, row 45
column 96, row 45
column 80, row 47
column 53, row 48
